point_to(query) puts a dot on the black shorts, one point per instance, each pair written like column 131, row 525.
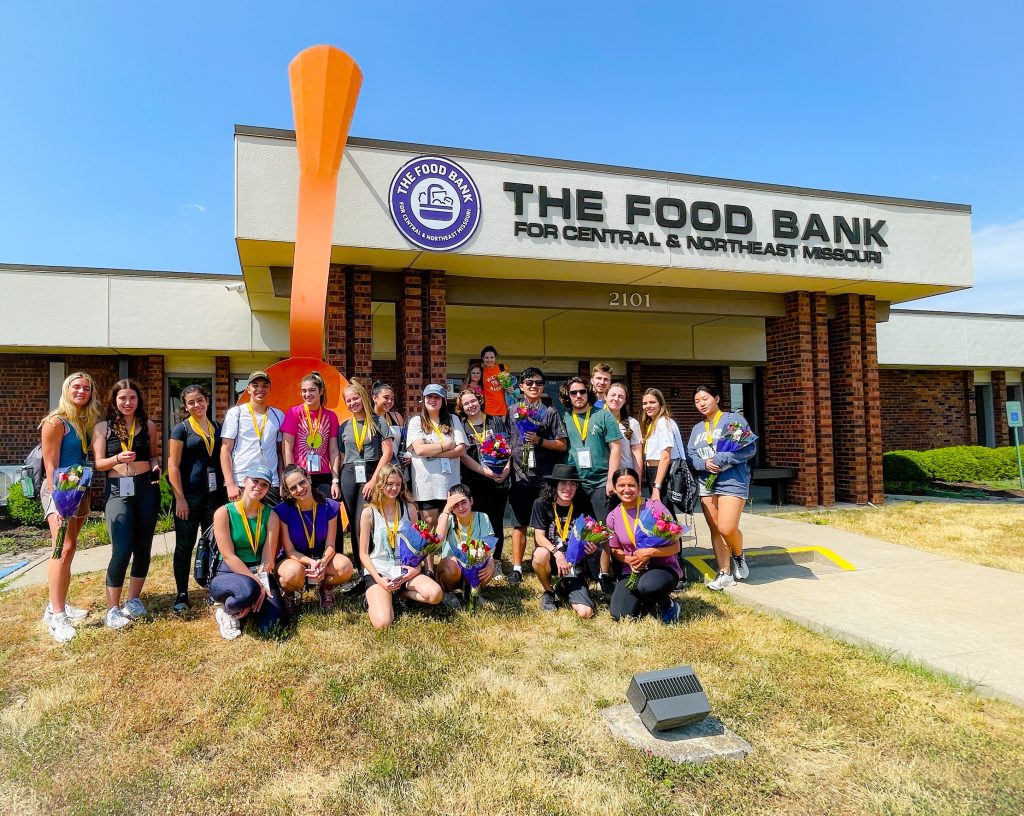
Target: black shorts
column 521, row 498
column 573, row 587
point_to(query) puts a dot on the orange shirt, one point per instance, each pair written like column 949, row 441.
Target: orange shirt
column 494, row 394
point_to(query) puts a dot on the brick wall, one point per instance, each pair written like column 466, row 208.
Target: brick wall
column 873, row 400
column 797, row 403
column 435, row 326
column 846, row 368
column 676, row 383
column 926, row 409
column 222, row 388
column 999, row 408
column 336, row 320
column 24, row 402
column 409, row 342
column 359, row 319
column 386, row 371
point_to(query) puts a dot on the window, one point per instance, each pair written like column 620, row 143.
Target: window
column 743, row 400
column 239, row 383
column 176, row 383
column 58, row 371
column 984, row 415
column 1013, row 392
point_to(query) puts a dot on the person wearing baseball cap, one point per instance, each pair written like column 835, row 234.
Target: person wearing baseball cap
column 554, row 513
column 246, row 534
column 437, row 441
column 251, row 436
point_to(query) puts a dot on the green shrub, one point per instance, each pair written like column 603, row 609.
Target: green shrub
column 23, row 510
column 963, row 463
column 166, row 497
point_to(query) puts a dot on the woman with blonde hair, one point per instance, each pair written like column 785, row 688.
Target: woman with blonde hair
column 65, row 438
column 365, row 447
column 384, row 577
column 662, row 445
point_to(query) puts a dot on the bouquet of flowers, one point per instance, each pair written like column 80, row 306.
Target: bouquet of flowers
column 473, row 556
column 69, row 487
column 527, row 419
column 415, row 542
column 585, row 531
column 506, row 382
column 653, row 529
column 495, row 452
column 735, row 437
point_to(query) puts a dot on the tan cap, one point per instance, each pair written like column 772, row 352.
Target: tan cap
column 259, row 375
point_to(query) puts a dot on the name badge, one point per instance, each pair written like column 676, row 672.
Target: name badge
column 531, row 460
column 126, row 486
column 360, row 471
column 583, row 458
column 211, row 480
column 313, row 462
column 446, row 466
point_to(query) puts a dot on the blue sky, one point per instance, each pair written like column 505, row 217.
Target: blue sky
column 116, row 149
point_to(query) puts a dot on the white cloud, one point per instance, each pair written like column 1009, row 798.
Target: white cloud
column 199, row 207
column 998, row 274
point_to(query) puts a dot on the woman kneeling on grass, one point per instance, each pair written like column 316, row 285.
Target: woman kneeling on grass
column 384, row 576
column 246, row 534
column 554, row 514
column 309, row 529
column 458, row 524
column 658, row 566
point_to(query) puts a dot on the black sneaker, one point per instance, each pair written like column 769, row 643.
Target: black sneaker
column 548, row 602
column 515, row 578
column 607, row 583
column 181, row 604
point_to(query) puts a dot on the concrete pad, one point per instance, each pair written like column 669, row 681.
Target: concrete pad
column 700, row 742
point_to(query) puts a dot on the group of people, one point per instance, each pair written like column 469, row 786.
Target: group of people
column 272, row 485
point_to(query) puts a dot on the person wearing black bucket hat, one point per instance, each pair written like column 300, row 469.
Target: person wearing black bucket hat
column 554, row 513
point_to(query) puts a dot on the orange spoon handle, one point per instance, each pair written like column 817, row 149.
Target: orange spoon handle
column 325, row 85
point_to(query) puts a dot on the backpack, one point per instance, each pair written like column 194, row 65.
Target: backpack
column 34, row 466
column 207, row 558
column 681, row 487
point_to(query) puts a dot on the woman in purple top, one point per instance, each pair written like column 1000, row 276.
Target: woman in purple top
column 658, row 566
column 309, row 528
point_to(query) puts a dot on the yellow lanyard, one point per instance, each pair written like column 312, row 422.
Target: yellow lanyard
column 482, row 436
column 563, row 533
column 582, row 428
column 256, row 425
column 310, row 533
column 131, row 438
column 469, row 531
column 392, row 531
column 708, row 428
column 630, row 531
column 437, row 430
column 360, row 437
column 314, row 438
column 207, row 440
column 240, row 507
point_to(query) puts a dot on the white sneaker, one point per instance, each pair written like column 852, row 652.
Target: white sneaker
column 116, row 618
column 134, row 609
column 723, row 581
column 74, row 613
column 230, row 628
column 498, row 574
column 60, row 627
column 740, row 570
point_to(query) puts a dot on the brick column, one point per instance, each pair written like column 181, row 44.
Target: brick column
column 148, row 372
column 795, row 383
column 436, row 327
column 725, row 377
column 634, row 381
column 359, row 321
column 336, row 322
column 999, row 408
column 847, row 369
column 222, row 388
column 971, row 412
column 872, row 401
column 583, row 369
column 409, row 342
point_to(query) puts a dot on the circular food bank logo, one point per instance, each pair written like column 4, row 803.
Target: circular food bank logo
column 435, row 203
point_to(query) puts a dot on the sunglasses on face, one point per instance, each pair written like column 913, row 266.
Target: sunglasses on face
column 577, row 393
column 533, row 383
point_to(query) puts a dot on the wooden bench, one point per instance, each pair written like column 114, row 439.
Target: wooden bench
column 776, row 477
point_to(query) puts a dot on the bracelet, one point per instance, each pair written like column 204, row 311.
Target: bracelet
column 335, row 480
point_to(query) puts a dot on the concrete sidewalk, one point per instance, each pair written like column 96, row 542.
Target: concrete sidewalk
column 953, row 616
column 91, row 560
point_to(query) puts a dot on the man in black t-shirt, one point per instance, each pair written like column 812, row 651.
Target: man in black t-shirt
column 534, row 455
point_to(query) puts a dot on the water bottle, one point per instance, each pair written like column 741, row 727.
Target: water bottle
column 28, row 488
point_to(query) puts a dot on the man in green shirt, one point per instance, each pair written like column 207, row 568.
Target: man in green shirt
column 592, row 434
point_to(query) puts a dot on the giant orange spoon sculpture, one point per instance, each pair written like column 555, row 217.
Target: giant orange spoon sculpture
column 325, row 85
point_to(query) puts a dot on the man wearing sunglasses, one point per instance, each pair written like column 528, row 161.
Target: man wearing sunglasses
column 592, row 436
column 534, row 456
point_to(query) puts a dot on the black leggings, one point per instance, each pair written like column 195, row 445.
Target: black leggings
column 491, row 500
column 130, row 524
column 352, row 498
column 200, row 517
column 652, row 594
